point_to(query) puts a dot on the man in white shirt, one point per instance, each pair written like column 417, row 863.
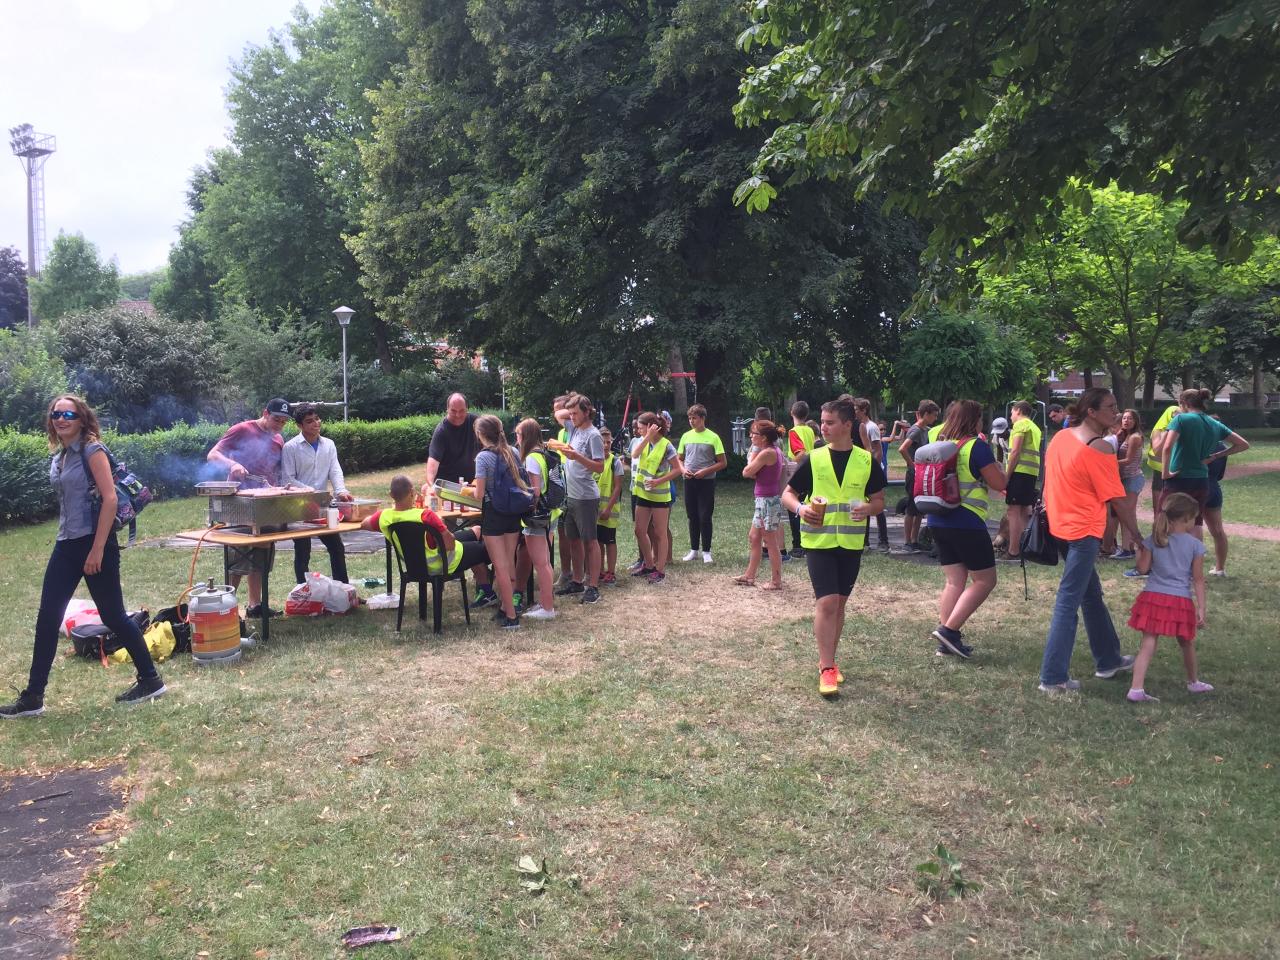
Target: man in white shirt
column 310, row 460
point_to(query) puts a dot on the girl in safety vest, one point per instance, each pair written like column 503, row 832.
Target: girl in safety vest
column 537, row 532
column 834, row 491
column 961, row 535
column 609, row 482
column 656, row 467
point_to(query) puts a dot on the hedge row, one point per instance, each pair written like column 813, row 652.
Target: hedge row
column 171, row 461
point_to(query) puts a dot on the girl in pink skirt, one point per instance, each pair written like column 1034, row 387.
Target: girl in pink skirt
column 1174, row 558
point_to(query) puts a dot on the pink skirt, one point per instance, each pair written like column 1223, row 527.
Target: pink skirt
column 1164, row 615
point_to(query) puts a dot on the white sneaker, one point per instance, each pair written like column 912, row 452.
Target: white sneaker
column 1215, row 572
column 706, row 556
column 691, row 555
column 539, row 613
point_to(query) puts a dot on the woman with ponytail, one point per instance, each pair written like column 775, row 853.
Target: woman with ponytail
column 496, row 466
column 1193, row 442
column 1080, row 480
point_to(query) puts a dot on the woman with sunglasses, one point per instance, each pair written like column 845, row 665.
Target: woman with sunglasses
column 86, row 549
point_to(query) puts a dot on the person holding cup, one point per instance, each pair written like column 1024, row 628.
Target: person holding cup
column 656, row 466
column 834, row 490
column 311, row 460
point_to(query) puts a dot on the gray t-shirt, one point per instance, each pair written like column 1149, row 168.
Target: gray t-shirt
column 1171, row 565
column 579, row 481
column 66, row 473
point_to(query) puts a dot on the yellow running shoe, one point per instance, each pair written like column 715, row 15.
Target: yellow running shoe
column 829, row 682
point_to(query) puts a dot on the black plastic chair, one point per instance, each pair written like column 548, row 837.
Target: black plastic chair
column 411, row 558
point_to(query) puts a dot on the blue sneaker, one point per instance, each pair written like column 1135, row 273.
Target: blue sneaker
column 1132, row 573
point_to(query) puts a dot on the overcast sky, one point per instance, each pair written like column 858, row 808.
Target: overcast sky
column 133, row 91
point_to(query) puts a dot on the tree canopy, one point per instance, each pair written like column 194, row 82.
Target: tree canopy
column 969, row 115
column 74, row 279
column 961, row 356
column 13, row 288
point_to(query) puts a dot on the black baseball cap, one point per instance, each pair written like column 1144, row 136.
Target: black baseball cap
column 278, row 407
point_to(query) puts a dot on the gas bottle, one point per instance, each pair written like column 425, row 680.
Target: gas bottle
column 214, row 615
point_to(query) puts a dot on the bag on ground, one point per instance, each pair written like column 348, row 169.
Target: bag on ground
column 937, row 485
column 320, row 595
column 95, row 641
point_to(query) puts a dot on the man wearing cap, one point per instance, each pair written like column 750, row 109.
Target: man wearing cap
column 250, row 452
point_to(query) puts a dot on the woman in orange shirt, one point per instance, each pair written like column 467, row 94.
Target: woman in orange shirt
column 1081, row 478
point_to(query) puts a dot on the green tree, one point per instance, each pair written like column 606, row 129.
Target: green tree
column 266, row 359
column 970, row 115
column 269, row 212
column 961, row 356
column 13, row 288
column 31, row 374
column 550, row 183
column 74, row 279
column 1107, row 283
column 139, row 286
column 142, row 370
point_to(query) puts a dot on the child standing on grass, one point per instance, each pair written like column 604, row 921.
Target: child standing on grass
column 1174, row 558
column 609, row 482
column 764, row 465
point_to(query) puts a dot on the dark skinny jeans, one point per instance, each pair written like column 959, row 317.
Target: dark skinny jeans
column 61, row 578
column 699, row 505
column 337, row 557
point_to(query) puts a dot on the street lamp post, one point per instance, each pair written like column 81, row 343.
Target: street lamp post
column 344, row 315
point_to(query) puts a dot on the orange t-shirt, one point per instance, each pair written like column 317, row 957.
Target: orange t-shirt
column 1078, row 482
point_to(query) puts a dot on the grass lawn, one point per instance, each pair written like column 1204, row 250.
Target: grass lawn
column 1254, row 499
column 667, row 753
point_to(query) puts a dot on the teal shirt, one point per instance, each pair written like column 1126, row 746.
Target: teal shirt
column 1198, row 436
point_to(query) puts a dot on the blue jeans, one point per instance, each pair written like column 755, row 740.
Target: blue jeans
column 1079, row 589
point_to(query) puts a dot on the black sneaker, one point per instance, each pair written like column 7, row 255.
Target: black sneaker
column 25, row 706
column 952, row 640
column 797, row 553
column 786, row 557
column 590, row 595
column 484, row 597
column 573, row 586
column 509, row 623
column 143, row 690
column 942, row 651
column 254, row 612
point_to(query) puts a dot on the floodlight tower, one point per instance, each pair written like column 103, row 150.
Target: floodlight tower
column 32, row 149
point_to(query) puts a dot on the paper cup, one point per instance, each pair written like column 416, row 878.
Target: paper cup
column 333, row 518
column 819, row 506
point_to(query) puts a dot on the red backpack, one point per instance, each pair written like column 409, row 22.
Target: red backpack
column 937, row 485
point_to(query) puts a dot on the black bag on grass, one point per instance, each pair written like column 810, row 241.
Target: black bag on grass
column 95, row 641
column 177, row 618
column 1038, row 544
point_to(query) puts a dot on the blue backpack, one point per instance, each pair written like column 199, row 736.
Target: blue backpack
column 507, row 497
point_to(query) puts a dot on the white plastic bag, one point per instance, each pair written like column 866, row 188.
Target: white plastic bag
column 80, row 613
column 383, row 601
column 320, row 594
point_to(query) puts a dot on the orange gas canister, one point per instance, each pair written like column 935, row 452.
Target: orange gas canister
column 214, row 615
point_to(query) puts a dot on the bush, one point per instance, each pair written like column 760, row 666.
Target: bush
column 171, row 461
column 30, row 375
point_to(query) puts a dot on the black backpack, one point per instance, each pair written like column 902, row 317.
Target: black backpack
column 95, row 641
column 132, row 495
column 553, row 487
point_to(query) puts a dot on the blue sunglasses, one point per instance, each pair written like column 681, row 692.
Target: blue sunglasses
column 64, row 415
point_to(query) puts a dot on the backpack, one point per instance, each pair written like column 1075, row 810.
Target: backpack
column 553, row 487
column 937, row 485
column 95, row 641
column 132, row 495
column 507, row 497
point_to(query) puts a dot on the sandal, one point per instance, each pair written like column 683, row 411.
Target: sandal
column 744, row 581
column 770, row 586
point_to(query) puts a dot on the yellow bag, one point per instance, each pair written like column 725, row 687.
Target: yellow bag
column 160, row 642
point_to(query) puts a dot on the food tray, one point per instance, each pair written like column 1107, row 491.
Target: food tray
column 361, row 508
column 217, row 488
column 450, row 490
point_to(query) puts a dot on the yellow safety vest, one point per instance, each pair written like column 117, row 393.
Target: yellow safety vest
column 838, row 528
column 1029, row 455
column 934, row 431
column 1153, row 461
column 435, row 561
column 649, row 466
column 604, row 483
column 805, row 433
column 973, row 491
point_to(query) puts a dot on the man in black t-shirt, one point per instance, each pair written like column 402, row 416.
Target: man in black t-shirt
column 453, row 449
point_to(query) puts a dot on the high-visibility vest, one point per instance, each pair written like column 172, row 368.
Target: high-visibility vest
column 1153, row 460
column 1029, row 454
column 435, row 560
column 934, row 431
column 649, row 467
column 973, row 491
column 805, row 433
column 604, row 483
column 838, row 528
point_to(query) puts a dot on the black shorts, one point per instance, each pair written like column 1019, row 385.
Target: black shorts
column 1197, row 488
column 606, row 535
column 651, row 504
column 1214, row 502
column 474, row 554
column 494, row 524
column 963, row 545
column 1021, row 491
column 833, row 570
column 910, row 485
column 1157, row 483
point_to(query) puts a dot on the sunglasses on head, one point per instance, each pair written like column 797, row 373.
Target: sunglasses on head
column 64, row 415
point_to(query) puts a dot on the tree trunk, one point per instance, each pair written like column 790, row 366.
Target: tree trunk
column 1259, row 395
column 1088, row 377
column 679, row 385
column 1188, row 377
column 382, row 347
column 1149, row 384
column 713, row 392
column 1121, row 385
